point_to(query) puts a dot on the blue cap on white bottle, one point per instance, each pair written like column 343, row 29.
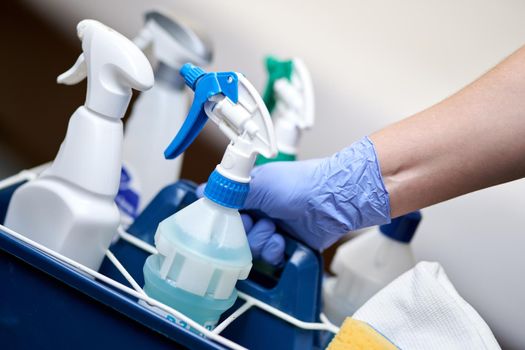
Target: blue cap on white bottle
column 226, row 192
column 402, row 229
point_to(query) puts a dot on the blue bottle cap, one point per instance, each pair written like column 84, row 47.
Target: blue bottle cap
column 402, row 229
column 226, row 192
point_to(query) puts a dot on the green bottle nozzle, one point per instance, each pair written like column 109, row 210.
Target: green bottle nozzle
column 277, row 69
column 288, row 96
column 281, row 157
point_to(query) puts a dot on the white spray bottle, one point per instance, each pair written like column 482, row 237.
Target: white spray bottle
column 366, row 264
column 157, row 114
column 203, row 249
column 70, row 207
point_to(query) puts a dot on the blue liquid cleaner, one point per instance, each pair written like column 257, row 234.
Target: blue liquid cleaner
column 196, row 273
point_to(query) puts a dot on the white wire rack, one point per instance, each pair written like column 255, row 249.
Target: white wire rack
column 137, row 292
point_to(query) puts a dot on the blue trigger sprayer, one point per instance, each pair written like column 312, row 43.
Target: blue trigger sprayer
column 203, row 249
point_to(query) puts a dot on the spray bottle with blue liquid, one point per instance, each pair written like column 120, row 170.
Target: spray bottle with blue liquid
column 203, row 249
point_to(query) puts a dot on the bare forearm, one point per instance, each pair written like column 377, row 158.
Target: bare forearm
column 472, row 140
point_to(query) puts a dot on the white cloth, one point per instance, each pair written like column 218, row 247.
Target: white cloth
column 421, row 309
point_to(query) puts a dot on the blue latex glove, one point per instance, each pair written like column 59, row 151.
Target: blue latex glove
column 265, row 242
column 319, row 200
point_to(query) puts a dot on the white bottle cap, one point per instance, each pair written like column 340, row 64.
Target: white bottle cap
column 113, row 66
column 173, row 43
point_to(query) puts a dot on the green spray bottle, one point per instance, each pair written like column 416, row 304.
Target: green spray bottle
column 289, row 97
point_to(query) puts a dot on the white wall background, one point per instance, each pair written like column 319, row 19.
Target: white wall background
column 374, row 62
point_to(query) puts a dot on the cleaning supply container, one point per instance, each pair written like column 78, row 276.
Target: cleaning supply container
column 51, row 300
column 278, row 308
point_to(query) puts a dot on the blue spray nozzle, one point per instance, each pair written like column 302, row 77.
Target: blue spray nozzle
column 191, row 74
column 205, row 86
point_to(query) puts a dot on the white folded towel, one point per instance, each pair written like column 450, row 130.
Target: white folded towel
column 421, row 309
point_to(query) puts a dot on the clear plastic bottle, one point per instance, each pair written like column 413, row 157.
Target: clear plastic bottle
column 366, row 264
column 203, row 249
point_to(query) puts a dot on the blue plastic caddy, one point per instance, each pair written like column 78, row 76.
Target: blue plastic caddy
column 48, row 304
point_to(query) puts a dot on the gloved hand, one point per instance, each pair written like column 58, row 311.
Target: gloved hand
column 265, row 242
column 317, row 201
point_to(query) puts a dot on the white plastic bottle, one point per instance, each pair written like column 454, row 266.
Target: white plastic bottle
column 366, row 264
column 203, row 249
column 70, row 207
column 157, row 114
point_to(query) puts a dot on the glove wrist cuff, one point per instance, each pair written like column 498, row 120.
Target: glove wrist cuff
column 354, row 187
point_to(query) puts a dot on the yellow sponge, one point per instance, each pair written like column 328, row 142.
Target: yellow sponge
column 358, row 335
